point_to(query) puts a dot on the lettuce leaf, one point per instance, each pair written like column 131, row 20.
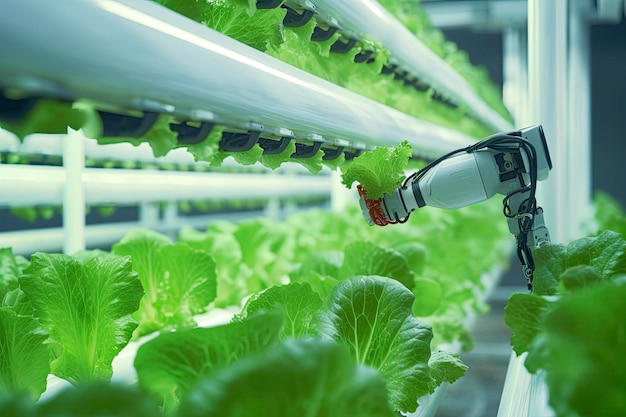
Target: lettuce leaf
column 171, row 364
column 320, row 270
column 296, row 378
column 445, row 367
column 379, row 171
column 609, row 213
column 24, row 356
column 180, row 282
column 524, row 314
column 161, row 137
column 562, row 270
column 10, row 270
column 273, row 161
column 86, row 308
column 605, row 253
column 257, row 29
column 99, row 399
column 428, row 297
column 249, row 157
column 582, row 349
column 266, row 247
column 296, row 301
column 219, row 242
column 372, row 316
column 312, row 163
column 366, row 258
column 46, row 116
column 12, row 405
column 208, row 149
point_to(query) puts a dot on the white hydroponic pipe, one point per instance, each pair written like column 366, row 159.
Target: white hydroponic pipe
column 371, row 21
column 154, row 59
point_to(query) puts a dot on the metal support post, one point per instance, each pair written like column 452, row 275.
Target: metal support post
column 515, row 70
column 73, row 192
column 579, row 119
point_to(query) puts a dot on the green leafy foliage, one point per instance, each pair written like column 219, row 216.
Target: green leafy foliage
column 19, row 405
column 524, row 314
column 249, row 157
column 266, row 248
column 24, row 356
column 179, row 281
column 208, row 149
column 86, row 308
column 297, row 377
column 573, row 325
column 562, row 269
column 428, row 297
column 581, row 348
column 445, row 367
column 605, row 253
column 10, row 270
column 258, row 29
column 372, row 316
column 313, row 163
column 379, row 171
column 320, row 270
column 296, row 301
column 315, row 253
column 273, row 161
column 170, row 365
column 99, row 400
column 46, row 116
column 366, row 258
column 160, row 137
column 414, row 18
column 609, row 213
column 219, row 242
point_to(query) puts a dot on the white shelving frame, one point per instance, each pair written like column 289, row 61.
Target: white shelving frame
column 73, row 186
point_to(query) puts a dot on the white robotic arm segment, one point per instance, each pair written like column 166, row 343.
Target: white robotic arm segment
column 509, row 164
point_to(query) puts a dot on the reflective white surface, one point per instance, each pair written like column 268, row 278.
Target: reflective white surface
column 139, row 54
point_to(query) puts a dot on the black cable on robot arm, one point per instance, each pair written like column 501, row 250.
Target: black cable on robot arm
column 483, row 144
column 429, row 166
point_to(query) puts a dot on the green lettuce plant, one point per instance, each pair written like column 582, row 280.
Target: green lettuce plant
column 298, row 377
column 24, row 354
column 170, row 365
column 572, row 325
column 372, row 316
column 581, row 348
column 85, row 307
column 379, row 171
column 179, row 281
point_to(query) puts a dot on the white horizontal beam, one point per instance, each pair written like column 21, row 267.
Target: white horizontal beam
column 482, row 14
column 26, row 242
column 22, row 185
column 491, row 15
column 155, row 59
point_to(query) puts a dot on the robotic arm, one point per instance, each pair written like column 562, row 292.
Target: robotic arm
column 506, row 163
